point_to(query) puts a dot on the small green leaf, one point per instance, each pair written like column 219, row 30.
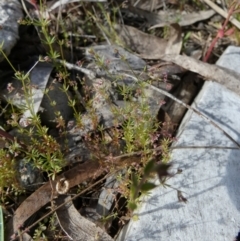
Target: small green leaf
column 149, row 167
column 132, row 205
column 147, row 186
column 134, row 180
column 134, row 186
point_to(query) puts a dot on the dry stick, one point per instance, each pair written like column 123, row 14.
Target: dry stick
column 62, row 2
column 205, row 147
column 69, row 66
column 100, row 28
column 25, row 8
column 222, row 13
column 138, row 153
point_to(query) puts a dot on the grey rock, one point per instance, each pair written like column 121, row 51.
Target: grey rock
column 115, row 58
column 10, row 13
column 107, row 196
column 12, row 91
column 88, row 124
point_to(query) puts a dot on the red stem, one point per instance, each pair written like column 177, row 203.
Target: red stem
column 209, row 51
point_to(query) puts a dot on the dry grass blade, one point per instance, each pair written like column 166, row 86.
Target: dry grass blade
column 223, row 13
column 60, row 3
column 70, row 66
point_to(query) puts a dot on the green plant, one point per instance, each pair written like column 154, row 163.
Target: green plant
column 39, row 232
column 134, row 128
column 7, row 170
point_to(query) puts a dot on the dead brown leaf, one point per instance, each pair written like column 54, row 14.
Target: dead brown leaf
column 75, row 226
column 163, row 18
column 150, row 46
column 223, row 76
column 180, row 18
column 150, row 6
column 44, row 194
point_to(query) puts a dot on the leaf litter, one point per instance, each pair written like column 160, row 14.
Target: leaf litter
column 153, row 49
column 149, row 46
